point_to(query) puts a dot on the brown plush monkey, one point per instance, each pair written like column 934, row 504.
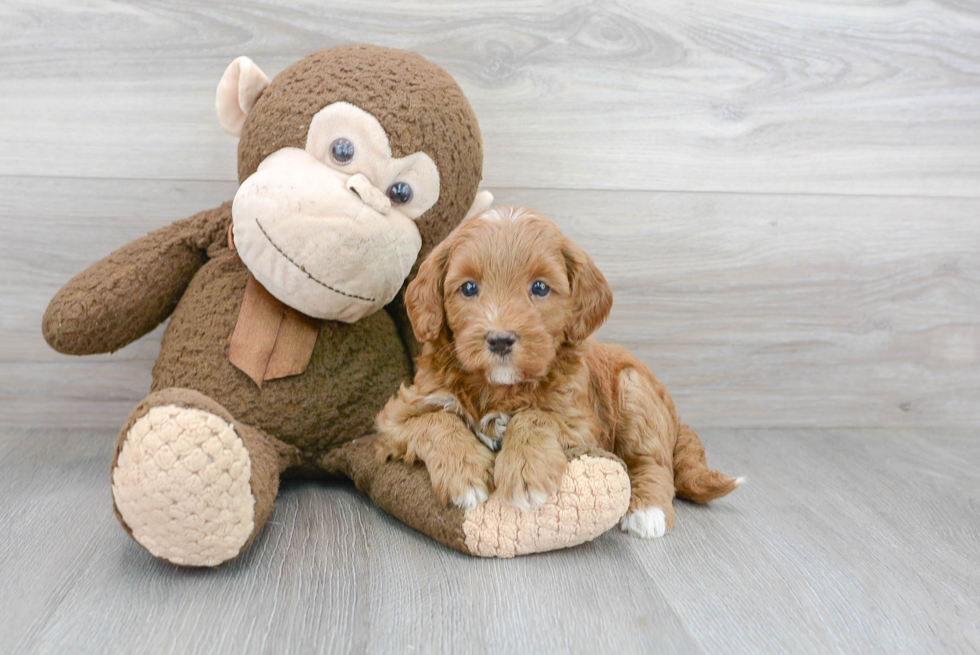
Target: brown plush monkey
column 287, row 332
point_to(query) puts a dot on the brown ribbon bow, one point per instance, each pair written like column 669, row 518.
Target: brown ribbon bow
column 270, row 340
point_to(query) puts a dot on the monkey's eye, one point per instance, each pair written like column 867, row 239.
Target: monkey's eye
column 342, row 151
column 540, row 289
column 469, row 289
column 400, row 193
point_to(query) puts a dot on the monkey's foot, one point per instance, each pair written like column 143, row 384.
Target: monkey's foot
column 180, row 484
column 593, row 496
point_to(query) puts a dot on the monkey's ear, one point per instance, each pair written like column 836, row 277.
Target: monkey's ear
column 592, row 298
column 423, row 297
column 480, row 204
column 239, row 88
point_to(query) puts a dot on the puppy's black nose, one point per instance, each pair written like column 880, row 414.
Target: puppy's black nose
column 500, row 343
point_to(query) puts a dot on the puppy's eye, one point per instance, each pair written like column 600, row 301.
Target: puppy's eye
column 469, row 289
column 399, row 193
column 342, row 151
column 540, row 289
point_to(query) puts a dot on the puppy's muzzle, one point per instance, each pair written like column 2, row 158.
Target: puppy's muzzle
column 501, row 343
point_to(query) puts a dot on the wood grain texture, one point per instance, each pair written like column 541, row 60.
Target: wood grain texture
column 769, row 310
column 843, row 540
column 755, row 310
column 742, row 96
column 785, row 199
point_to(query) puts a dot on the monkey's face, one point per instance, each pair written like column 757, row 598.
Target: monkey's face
column 354, row 162
column 330, row 229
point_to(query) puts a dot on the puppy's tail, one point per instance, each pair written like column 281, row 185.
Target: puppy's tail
column 692, row 477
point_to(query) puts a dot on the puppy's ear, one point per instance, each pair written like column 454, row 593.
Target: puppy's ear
column 423, row 297
column 592, row 298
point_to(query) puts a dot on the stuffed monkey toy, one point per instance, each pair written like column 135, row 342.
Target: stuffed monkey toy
column 288, row 331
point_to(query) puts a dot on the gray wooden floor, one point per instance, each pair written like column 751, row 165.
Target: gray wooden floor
column 843, row 540
column 786, row 200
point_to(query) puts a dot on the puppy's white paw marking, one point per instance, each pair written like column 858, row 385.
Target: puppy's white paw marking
column 739, row 482
column 528, row 500
column 519, row 500
column 645, row 523
column 470, row 498
column 537, row 498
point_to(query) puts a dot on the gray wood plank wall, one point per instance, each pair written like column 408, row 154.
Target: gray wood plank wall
column 785, row 198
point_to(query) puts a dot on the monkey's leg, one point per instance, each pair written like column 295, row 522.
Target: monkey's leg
column 592, row 497
column 190, row 483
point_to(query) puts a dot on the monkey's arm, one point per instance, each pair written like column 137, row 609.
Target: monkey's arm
column 122, row 297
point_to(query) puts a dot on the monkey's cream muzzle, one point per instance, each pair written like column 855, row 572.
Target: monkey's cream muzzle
column 323, row 236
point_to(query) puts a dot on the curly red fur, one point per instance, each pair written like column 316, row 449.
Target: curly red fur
column 559, row 386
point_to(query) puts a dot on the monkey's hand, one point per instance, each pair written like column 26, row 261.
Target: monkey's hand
column 122, row 297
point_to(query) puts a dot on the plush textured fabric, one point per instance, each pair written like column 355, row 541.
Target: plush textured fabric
column 327, row 242
column 181, row 483
column 238, row 89
column 403, row 491
column 124, row 296
column 316, row 423
column 353, row 369
column 271, row 340
column 418, row 104
column 593, row 495
column 184, row 509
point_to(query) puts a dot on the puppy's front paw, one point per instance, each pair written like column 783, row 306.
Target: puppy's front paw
column 386, row 449
column 466, row 481
column 475, row 495
column 527, row 481
column 649, row 523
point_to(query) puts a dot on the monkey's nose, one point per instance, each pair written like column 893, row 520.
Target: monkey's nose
column 369, row 194
column 500, row 343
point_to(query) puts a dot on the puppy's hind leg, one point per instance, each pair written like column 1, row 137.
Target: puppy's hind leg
column 651, row 512
column 644, row 440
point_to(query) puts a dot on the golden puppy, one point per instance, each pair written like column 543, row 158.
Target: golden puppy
column 504, row 308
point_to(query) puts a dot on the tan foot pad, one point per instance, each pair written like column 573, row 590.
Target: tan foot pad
column 594, row 495
column 181, row 484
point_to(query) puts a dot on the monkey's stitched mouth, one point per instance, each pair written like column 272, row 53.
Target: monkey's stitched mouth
column 305, row 272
